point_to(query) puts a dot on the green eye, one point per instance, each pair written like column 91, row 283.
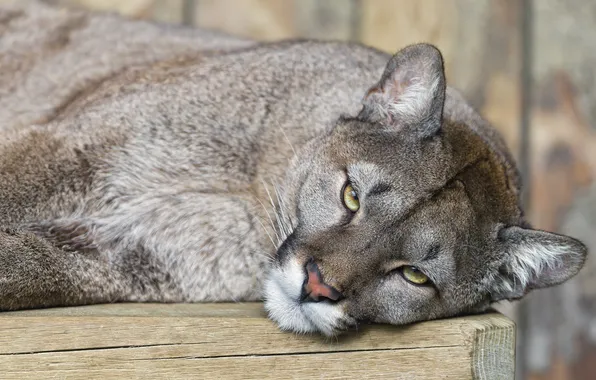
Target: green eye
column 351, row 198
column 414, row 275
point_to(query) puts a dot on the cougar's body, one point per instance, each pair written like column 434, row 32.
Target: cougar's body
column 155, row 149
column 144, row 162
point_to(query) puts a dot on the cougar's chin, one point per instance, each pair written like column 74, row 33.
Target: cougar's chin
column 282, row 302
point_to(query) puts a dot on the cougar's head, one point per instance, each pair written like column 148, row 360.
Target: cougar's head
column 407, row 212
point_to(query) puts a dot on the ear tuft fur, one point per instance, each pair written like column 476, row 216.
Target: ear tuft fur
column 536, row 259
column 411, row 90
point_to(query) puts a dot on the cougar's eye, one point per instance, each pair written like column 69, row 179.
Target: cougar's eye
column 350, row 197
column 414, row 275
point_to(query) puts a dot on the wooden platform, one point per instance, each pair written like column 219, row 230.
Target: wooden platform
column 236, row 341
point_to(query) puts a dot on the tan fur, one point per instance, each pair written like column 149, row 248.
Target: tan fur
column 144, row 162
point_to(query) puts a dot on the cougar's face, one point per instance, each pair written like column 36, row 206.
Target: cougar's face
column 378, row 235
column 394, row 217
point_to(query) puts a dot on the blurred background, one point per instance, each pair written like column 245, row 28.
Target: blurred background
column 527, row 65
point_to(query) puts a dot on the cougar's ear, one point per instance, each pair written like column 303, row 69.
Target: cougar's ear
column 536, row 259
column 411, row 91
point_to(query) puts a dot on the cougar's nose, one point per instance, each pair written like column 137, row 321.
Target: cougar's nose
column 314, row 289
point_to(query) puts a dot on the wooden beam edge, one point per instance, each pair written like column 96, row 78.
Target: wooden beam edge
column 211, row 331
column 493, row 350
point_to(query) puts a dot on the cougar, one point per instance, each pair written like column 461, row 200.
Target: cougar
column 150, row 163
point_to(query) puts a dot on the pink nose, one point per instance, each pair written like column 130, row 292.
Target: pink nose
column 314, row 288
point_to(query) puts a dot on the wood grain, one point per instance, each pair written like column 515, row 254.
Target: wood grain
column 259, row 19
column 381, row 364
column 329, row 19
column 237, row 341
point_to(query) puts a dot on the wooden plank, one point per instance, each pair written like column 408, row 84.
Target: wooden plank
column 330, row 19
column 237, row 341
column 171, row 11
column 170, row 324
column 130, row 8
column 258, row 19
column 381, row 364
column 159, row 10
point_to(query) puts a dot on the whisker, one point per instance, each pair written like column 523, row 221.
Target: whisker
column 268, row 193
column 258, row 218
column 287, row 139
column 283, row 218
column 266, row 256
column 280, row 224
column 268, row 216
column 279, row 212
column 267, row 232
column 276, row 208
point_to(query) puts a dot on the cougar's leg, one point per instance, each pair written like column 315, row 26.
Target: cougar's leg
column 46, row 176
column 34, row 273
column 43, row 174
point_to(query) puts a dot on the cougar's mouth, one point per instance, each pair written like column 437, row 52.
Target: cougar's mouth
column 299, row 301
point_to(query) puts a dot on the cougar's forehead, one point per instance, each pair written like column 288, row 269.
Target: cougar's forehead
column 353, row 139
column 376, row 155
